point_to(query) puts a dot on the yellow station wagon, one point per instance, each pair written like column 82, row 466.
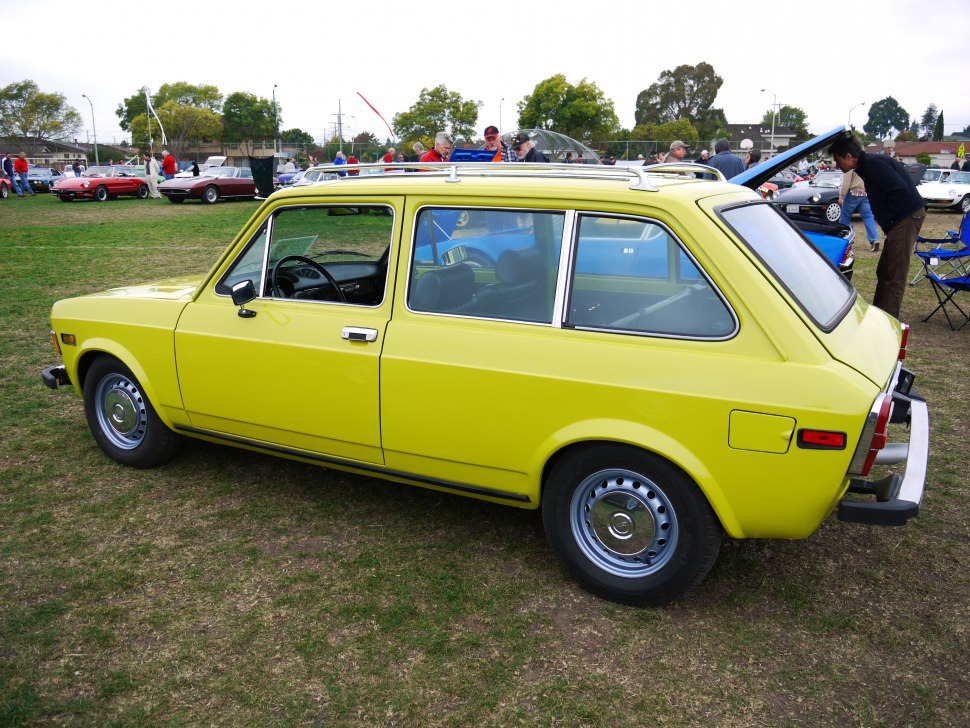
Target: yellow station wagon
column 653, row 360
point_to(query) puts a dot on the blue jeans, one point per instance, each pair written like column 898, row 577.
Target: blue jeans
column 850, row 204
column 25, row 184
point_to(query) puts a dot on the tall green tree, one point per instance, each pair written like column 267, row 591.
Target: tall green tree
column 938, row 128
column 297, row 136
column 792, row 117
column 246, row 119
column 686, row 92
column 26, row 111
column 437, row 110
column 886, row 118
column 680, row 129
column 927, row 122
column 184, row 126
column 580, row 111
column 203, row 96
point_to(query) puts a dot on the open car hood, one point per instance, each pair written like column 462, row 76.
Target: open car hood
column 754, row 177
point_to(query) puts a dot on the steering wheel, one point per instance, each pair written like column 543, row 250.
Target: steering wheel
column 313, row 264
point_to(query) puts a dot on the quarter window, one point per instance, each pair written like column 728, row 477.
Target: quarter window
column 633, row 275
column 488, row 263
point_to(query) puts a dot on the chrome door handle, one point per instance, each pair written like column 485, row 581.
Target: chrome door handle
column 355, row 333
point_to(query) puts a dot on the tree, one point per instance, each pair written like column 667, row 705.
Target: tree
column 246, row 118
column 581, row 111
column 928, row 121
column 365, row 138
column 938, row 128
column 183, row 125
column 906, row 136
column 924, row 158
column 435, row 111
column 297, row 137
column 686, row 92
column 26, row 111
column 680, row 129
column 886, row 118
column 792, row 117
column 203, row 96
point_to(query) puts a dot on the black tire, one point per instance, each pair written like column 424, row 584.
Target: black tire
column 66, row 198
column 142, row 193
column 965, row 204
column 628, row 525
column 101, row 193
column 210, row 195
column 4, row 191
column 122, row 419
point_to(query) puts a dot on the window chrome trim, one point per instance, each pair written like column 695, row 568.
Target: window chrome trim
column 680, row 244
column 570, row 229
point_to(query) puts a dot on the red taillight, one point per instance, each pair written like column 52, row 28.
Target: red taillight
column 902, row 344
column 881, row 434
column 821, row 440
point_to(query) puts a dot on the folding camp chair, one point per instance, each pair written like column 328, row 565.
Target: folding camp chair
column 947, row 257
column 946, row 289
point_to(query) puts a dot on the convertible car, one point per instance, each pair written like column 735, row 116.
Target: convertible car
column 214, row 183
column 819, row 198
column 953, row 194
column 102, row 183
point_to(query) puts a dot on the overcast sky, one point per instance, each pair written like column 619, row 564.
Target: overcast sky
column 824, row 56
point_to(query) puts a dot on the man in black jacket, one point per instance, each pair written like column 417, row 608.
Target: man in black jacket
column 898, row 208
column 525, row 149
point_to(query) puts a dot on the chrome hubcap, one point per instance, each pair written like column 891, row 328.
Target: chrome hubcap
column 624, row 523
column 121, row 411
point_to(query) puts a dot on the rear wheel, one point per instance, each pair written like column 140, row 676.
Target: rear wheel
column 4, row 191
column 965, row 204
column 211, row 194
column 142, row 192
column 833, row 212
column 122, row 419
column 628, row 525
column 101, row 193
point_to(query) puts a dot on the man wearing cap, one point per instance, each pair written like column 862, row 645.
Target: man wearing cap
column 503, row 152
column 678, row 150
column 525, row 149
column 704, row 157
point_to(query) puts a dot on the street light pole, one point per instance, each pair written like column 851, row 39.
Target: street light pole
column 848, row 123
column 95, row 129
column 276, row 124
column 774, row 105
column 500, row 102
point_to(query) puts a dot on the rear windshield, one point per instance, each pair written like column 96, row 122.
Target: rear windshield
column 821, row 291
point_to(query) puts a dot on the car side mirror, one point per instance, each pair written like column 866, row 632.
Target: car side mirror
column 242, row 293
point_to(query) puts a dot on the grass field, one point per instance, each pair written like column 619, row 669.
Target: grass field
column 232, row 588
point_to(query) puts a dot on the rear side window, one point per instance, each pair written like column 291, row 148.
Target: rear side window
column 487, row 263
column 633, row 275
column 822, row 292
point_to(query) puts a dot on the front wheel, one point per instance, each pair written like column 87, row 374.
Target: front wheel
column 210, row 195
column 101, row 194
column 628, row 525
column 965, row 204
column 4, row 192
column 833, row 213
column 122, row 419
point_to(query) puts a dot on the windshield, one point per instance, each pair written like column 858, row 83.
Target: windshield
column 96, row 172
column 220, row 172
column 932, row 175
column 827, row 179
column 821, row 291
column 962, row 178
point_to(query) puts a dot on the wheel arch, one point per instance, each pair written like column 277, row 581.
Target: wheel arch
column 98, row 348
column 665, row 448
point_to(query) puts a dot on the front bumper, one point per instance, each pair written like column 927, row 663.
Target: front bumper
column 55, row 377
column 897, row 496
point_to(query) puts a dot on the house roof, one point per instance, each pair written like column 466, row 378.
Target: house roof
column 35, row 145
column 756, row 132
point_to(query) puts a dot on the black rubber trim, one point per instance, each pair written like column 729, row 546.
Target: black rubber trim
column 55, row 377
column 887, row 510
column 450, row 485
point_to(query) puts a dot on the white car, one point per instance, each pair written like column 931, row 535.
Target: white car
column 954, row 193
column 935, row 174
column 209, row 162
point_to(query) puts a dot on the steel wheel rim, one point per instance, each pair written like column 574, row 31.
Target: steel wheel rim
column 121, row 411
column 211, row 195
column 624, row 523
column 965, row 204
column 833, row 212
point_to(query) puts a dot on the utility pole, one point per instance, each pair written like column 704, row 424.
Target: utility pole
column 340, row 128
column 95, row 128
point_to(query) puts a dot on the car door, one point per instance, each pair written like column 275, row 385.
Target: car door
column 296, row 368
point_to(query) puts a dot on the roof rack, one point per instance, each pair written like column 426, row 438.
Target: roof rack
column 638, row 175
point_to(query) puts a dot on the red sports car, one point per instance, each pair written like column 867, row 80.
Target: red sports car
column 213, row 183
column 4, row 186
column 101, row 183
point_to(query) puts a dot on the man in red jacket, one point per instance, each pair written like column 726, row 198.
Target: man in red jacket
column 20, row 166
column 168, row 165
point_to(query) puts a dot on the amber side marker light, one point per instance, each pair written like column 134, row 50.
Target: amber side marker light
column 821, row 440
column 69, row 339
column 57, row 346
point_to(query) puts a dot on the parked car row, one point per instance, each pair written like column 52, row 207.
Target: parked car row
column 108, row 182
